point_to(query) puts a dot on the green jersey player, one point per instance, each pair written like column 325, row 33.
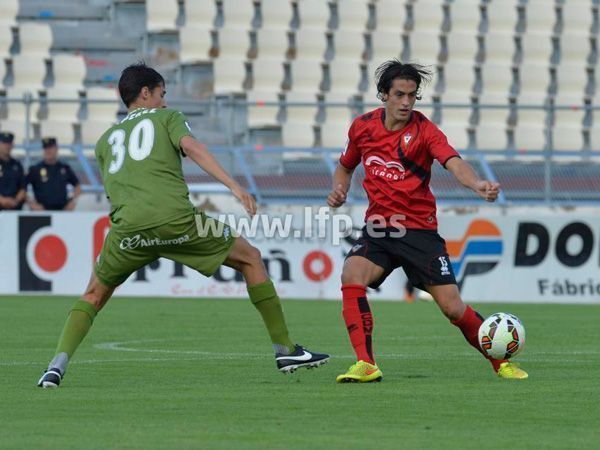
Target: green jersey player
column 152, row 217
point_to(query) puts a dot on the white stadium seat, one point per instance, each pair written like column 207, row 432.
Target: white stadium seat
column 276, row 14
column 8, row 12
column 238, row 13
column 385, row 44
column 161, row 15
column 502, row 16
column 391, row 15
column 314, row 14
column 35, row 38
column 310, row 44
column 195, row 44
column 267, row 75
column 29, row 72
column 259, row 114
column 228, row 75
column 272, row 43
column 425, row 46
column 234, row 43
column 200, row 13
column 69, row 70
column 541, row 16
column 349, row 44
column 306, row 76
column 345, row 76
column 428, row 15
column 352, row 15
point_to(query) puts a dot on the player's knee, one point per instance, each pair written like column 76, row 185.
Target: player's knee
column 252, row 256
column 350, row 276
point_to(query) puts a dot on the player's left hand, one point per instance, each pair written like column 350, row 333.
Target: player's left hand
column 488, row 190
column 246, row 199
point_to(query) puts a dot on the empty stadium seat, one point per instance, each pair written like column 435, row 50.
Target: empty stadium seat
column 195, row 44
column 577, row 17
column 261, row 114
column 16, row 110
column 540, row 16
column 267, row 75
column 35, row 39
column 385, row 44
column 344, row 76
column 272, row 43
column 62, row 130
column 161, row 15
column 306, row 76
column 424, row 46
column 456, row 120
column 496, row 79
column 572, row 79
column 100, row 115
column 228, row 75
column 465, row 16
column 459, row 78
column 314, row 14
column 462, row 45
column 491, row 131
column 534, row 81
column 298, row 128
column 349, row 44
column 6, row 38
column 428, row 15
column 502, row 16
column 530, row 130
column 238, row 14
column 234, row 43
column 8, row 12
column 352, row 15
column 310, row 44
column 574, row 48
column 499, row 48
column 536, row 47
column 69, row 70
column 63, row 110
column 29, row 72
column 200, row 14
column 276, row 14
column 567, row 129
column 391, row 15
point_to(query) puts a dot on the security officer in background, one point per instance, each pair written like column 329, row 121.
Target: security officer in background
column 12, row 177
column 49, row 179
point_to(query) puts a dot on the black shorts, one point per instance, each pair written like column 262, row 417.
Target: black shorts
column 421, row 253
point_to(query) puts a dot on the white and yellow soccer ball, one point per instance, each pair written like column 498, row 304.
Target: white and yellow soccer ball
column 501, row 336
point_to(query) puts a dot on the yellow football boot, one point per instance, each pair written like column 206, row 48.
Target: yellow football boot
column 512, row 371
column 361, row 372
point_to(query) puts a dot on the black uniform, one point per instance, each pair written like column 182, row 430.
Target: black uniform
column 49, row 182
column 12, row 179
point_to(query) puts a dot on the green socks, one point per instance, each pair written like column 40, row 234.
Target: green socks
column 77, row 326
column 265, row 299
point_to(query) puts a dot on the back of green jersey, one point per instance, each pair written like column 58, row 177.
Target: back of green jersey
column 140, row 163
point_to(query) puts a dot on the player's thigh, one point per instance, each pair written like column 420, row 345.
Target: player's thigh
column 199, row 242
column 447, row 297
column 122, row 254
column 360, row 270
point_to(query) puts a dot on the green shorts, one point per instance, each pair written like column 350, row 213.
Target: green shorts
column 198, row 241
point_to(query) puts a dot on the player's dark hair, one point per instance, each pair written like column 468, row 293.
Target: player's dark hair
column 134, row 78
column 393, row 69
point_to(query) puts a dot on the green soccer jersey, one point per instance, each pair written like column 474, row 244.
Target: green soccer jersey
column 140, row 163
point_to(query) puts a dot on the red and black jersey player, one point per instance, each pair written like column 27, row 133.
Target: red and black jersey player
column 397, row 147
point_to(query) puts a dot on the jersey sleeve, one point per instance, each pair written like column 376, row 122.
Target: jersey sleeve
column 351, row 155
column 30, row 177
column 439, row 148
column 178, row 127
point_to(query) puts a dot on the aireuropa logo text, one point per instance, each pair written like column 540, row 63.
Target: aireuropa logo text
column 131, row 243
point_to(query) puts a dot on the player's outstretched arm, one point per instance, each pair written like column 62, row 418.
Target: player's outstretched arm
column 201, row 156
column 464, row 173
column 341, row 184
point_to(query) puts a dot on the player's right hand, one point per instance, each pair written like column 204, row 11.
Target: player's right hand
column 337, row 197
column 247, row 200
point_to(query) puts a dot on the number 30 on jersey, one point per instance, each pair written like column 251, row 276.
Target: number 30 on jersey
column 139, row 145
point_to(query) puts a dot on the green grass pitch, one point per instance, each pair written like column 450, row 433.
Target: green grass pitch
column 162, row 373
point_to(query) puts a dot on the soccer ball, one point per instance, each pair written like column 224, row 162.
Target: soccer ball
column 501, row 336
